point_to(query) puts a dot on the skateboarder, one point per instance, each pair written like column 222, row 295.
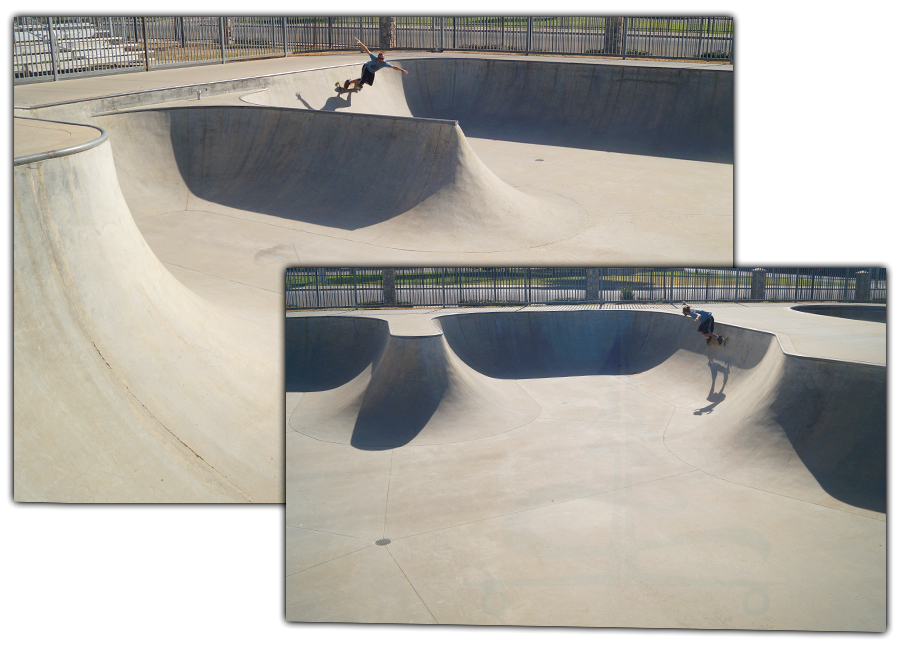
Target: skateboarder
column 369, row 68
column 707, row 322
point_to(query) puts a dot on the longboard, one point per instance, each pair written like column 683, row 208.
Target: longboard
column 352, row 88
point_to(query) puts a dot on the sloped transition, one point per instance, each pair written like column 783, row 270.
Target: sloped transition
column 672, row 112
column 405, row 183
column 807, row 428
column 128, row 387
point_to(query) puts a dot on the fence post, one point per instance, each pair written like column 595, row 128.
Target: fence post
column 222, row 41
column 625, row 39
column 796, row 283
column 330, row 33
column 54, row 49
column 529, row 35
column 863, row 283
column 388, row 286
column 146, row 43
column 443, row 287
column 846, row 283
column 386, row 29
column 454, row 32
column 284, row 35
column 592, row 285
column 737, row 275
column 758, row 285
column 441, row 48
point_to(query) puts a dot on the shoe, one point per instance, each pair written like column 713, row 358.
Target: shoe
column 719, row 339
column 708, row 339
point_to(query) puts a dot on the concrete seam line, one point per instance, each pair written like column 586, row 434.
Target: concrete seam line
column 66, row 151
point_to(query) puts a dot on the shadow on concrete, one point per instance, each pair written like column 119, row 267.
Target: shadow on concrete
column 407, row 386
column 322, row 353
column 875, row 313
column 304, row 166
column 331, row 104
column 835, row 416
column 664, row 112
column 714, row 397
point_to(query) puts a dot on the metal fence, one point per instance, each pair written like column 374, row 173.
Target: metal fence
column 54, row 47
column 323, row 288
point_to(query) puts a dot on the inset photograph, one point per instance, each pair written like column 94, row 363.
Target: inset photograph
column 698, row 448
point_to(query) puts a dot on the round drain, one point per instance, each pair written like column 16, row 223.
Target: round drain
column 539, row 159
column 383, row 542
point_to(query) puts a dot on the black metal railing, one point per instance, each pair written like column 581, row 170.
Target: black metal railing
column 54, row 47
column 322, row 288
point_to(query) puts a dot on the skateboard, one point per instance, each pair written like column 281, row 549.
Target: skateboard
column 346, row 87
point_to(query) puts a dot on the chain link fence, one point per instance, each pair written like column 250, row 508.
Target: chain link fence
column 54, row 47
column 323, row 288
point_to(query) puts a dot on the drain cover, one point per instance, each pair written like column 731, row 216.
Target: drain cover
column 383, row 542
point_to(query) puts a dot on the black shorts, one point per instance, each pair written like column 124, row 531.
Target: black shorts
column 708, row 325
column 367, row 76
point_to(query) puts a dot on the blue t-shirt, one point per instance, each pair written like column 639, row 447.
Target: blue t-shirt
column 703, row 314
column 375, row 65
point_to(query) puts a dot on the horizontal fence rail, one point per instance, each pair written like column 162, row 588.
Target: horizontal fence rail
column 54, row 47
column 325, row 288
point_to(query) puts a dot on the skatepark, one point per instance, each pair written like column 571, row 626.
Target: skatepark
column 151, row 237
column 591, row 467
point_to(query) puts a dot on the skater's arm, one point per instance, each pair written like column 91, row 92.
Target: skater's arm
column 399, row 69
column 363, row 46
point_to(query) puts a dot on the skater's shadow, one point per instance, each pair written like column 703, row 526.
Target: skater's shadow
column 333, row 103
column 714, row 397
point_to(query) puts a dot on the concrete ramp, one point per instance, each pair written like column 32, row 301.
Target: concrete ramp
column 128, row 386
column 404, row 183
column 806, row 428
column 413, row 389
column 684, row 113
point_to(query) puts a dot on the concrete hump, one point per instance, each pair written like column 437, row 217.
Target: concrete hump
column 128, row 387
column 414, row 390
column 399, row 182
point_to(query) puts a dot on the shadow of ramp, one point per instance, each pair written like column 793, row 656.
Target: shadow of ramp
column 515, row 345
column 667, row 112
column 322, row 353
column 835, row 416
column 407, row 386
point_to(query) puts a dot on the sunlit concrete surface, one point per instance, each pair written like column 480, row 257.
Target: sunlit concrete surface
column 592, row 467
column 149, row 266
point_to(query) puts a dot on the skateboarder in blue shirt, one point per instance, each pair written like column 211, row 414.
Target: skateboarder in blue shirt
column 707, row 322
column 370, row 67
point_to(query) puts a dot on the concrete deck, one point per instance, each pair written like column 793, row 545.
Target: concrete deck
column 586, row 468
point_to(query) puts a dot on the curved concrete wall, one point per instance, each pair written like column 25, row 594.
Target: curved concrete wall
column 812, row 429
column 128, row 387
column 672, row 112
column 339, row 172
